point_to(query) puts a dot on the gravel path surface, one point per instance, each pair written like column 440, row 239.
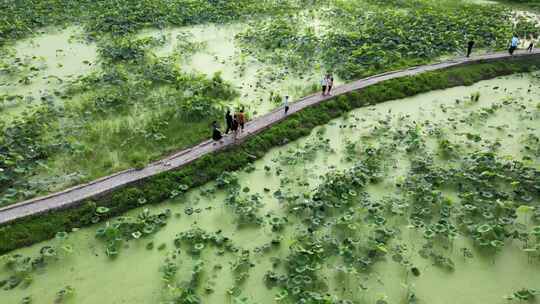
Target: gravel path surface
column 76, row 195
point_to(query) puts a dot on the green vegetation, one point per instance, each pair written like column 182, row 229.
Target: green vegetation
column 166, row 185
column 123, row 17
column 426, row 192
column 526, row 4
column 367, row 209
column 89, row 127
column 143, row 102
column 135, row 106
column 388, row 39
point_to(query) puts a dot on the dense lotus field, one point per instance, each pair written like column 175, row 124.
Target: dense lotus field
column 432, row 199
column 428, row 199
column 88, row 88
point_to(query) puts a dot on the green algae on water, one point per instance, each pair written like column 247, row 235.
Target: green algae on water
column 343, row 212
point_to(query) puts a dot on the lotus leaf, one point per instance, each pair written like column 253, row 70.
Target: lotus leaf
column 67, row 249
column 429, row 234
column 485, row 228
column 536, row 231
column 102, row 210
column 61, row 235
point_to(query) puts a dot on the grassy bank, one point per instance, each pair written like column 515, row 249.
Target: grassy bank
column 159, row 188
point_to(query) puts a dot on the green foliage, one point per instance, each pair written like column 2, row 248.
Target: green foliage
column 527, row 28
column 23, row 147
column 525, row 4
column 281, row 40
column 158, row 188
column 360, row 40
column 21, row 268
column 197, row 239
column 416, row 33
column 127, row 228
column 127, row 48
column 142, row 103
column 122, row 17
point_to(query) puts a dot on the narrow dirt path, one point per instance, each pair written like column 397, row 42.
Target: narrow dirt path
column 73, row 196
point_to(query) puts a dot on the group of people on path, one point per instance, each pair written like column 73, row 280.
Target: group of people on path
column 512, row 47
column 327, row 83
column 237, row 121
column 235, row 124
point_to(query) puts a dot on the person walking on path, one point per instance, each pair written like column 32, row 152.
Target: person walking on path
column 286, row 104
column 216, row 133
column 324, row 83
column 229, row 121
column 470, row 46
column 513, row 44
column 234, row 126
column 329, row 83
column 531, row 45
column 241, row 117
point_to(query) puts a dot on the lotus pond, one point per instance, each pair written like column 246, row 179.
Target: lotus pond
column 89, row 88
column 428, row 199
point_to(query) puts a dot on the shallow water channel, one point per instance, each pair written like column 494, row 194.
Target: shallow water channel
column 136, row 274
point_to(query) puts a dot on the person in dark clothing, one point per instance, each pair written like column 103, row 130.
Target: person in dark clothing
column 216, row 133
column 229, row 121
column 286, row 104
column 329, row 83
column 531, row 46
column 470, row 46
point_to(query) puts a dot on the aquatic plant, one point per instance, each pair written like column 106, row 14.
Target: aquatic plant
column 127, row 228
column 241, row 266
column 63, row 294
column 227, row 179
column 475, row 97
column 196, row 239
column 354, row 55
column 277, row 223
column 127, row 48
column 245, row 206
column 169, row 270
column 525, row 294
column 23, row 146
column 280, row 40
column 448, row 149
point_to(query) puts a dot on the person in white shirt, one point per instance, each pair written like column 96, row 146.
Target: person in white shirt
column 324, row 83
column 286, row 104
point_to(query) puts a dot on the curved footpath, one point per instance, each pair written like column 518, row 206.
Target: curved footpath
column 75, row 195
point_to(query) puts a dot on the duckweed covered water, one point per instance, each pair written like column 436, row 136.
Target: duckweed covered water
column 211, row 49
column 257, row 220
column 45, row 65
